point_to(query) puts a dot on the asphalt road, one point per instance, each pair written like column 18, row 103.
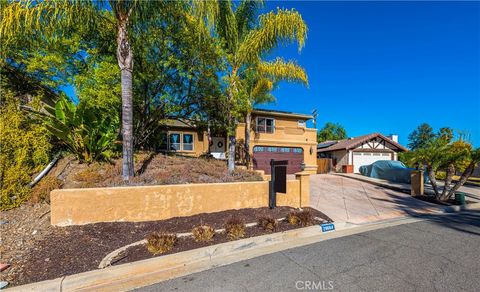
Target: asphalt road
column 441, row 253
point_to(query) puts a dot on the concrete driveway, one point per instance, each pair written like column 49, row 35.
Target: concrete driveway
column 350, row 200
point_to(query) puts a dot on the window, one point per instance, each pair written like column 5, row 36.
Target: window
column 174, row 142
column 187, row 142
column 301, row 123
column 265, row 125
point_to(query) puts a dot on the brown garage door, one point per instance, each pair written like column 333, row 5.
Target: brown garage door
column 263, row 154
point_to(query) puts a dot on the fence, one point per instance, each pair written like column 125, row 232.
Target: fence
column 324, row 165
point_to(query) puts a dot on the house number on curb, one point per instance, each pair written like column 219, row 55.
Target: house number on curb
column 327, row 227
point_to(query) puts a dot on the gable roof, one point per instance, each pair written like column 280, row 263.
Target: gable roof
column 258, row 111
column 352, row 143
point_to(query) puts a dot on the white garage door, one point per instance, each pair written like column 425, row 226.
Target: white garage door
column 366, row 158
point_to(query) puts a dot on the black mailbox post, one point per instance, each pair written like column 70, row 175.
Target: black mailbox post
column 278, row 182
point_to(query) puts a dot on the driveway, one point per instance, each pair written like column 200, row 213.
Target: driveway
column 349, row 200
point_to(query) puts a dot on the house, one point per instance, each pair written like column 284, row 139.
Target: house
column 274, row 135
column 363, row 150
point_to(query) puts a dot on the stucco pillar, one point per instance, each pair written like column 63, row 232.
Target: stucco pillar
column 417, row 183
column 304, row 178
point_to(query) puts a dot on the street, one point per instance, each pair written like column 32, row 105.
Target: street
column 441, row 253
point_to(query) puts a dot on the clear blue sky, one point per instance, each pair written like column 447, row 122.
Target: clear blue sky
column 387, row 67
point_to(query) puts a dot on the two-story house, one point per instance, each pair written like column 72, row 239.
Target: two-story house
column 274, row 135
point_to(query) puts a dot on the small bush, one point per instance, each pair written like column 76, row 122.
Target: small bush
column 292, row 218
column 41, row 192
column 161, row 242
column 268, row 223
column 203, row 233
column 305, row 218
column 234, row 228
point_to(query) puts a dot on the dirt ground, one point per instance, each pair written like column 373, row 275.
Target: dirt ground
column 150, row 169
column 52, row 252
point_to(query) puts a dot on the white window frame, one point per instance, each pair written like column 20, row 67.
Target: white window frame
column 301, row 123
column 179, row 142
column 192, row 143
column 265, row 132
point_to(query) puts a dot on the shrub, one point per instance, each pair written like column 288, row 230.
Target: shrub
column 305, row 218
column 84, row 131
column 161, row 242
column 292, row 218
column 24, row 151
column 268, row 223
column 203, row 233
column 41, row 192
column 234, row 228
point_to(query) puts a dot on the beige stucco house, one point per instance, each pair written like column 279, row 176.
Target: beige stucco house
column 275, row 135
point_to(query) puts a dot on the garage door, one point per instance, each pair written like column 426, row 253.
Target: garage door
column 263, row 154
column 367, row 158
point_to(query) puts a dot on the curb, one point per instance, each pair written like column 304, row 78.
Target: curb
column 459, row 208
column 150, row 271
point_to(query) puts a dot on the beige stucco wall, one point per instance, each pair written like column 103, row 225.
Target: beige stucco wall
column 287, row 134
column 147, row 203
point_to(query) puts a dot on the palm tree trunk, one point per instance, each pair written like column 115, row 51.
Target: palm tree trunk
column 450, row 171
column 433, row 181
column 463, row 179
column 125, row 62
column 231, row 153
column 248, row 126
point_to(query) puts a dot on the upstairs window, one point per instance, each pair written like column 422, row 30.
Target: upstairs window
column 265, row 125
column 301, row 123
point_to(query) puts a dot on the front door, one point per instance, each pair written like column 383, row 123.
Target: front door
column 217, row 149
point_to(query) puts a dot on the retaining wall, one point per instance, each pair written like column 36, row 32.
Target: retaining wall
column 147, row 203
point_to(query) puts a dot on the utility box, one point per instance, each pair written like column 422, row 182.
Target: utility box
column 347, row 168
column 417, row 183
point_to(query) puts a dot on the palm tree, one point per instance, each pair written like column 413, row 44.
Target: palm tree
column 55, row 17
column 259, row 83
column 244, row 42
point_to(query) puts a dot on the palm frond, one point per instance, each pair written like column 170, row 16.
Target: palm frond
column 245, row 15
column 280, row 70
column 45, row 16
column 226, row 26
column 274, row 28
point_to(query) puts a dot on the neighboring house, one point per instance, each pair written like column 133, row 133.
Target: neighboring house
column 362, row 150
column 275, row 135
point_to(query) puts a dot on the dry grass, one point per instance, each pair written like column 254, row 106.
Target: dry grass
column 41, row 192
column 235, row 228
column 292, row 218
column 156, row 169
column 268, row 223
column 203, row 233
column 161, row 242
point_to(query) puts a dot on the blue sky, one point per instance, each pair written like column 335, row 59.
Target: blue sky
column 387, row 67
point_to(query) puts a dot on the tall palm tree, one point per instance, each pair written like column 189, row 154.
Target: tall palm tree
column 259, row 83
column 245, row 40
column 54, row 16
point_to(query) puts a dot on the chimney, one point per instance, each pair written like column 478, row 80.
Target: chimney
column 393, row 137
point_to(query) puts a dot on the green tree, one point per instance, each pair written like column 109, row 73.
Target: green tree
column 421, row 136
column 244, row 42
column 58, row 17
column 331, row 132
column 441, row 153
